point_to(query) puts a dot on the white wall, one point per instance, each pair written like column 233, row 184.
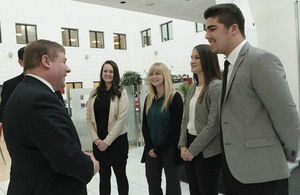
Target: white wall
column 276, row 32
column 274, row 20
column 50, row 15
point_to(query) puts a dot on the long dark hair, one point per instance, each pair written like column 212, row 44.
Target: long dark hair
column 115, row 88
column 210, row 67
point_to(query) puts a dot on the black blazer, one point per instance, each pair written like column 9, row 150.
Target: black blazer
column 43, row 144
column 8, row 88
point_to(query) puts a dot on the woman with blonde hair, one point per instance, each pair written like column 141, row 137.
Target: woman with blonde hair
column 161, row 129
column 106, row 117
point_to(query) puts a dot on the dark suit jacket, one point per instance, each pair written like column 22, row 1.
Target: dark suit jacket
column 8, row 88
column 43, row 144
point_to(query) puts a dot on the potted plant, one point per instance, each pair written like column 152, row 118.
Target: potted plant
column 131, row 78
column 183, row 89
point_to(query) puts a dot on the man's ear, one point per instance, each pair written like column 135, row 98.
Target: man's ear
column 235, row 29
column 21, row 63
column 45, row 61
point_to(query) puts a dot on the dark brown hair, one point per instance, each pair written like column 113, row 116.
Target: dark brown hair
column 210, row 67
column 115, row 88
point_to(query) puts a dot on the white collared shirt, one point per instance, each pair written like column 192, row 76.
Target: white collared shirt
column 42, row 80
column 192, row 111
column 233, row 57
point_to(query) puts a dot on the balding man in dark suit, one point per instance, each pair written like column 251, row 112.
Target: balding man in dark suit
column 40, row 135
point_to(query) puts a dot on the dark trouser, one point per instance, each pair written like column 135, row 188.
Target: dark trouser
column 120, row 172
column 153, row 173
column 234, row 187
column 203, row 173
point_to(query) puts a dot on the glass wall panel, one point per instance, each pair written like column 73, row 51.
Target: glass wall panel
column 20, row 33
column 170, row 30
column 65, row 37
column 100, row 40
column 31, row 32
column 74, row 38
column 93, row 40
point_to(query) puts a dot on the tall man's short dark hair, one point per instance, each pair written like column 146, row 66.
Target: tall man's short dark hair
column 20, row 53
column 227, row 14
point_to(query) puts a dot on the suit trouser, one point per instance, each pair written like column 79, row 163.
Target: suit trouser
column 234, row 187
column 203, row 173
column 153, row 173
column 120, row 173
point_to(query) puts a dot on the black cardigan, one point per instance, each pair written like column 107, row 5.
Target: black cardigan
column 172, row 137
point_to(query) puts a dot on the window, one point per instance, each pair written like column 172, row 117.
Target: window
column 166, row 31
column 200, row 27
column 69, row 37
column 73, row 85
column 25, row 33
column 146, row 37
column 96, row 84
column 96, row 39
column 119, row 41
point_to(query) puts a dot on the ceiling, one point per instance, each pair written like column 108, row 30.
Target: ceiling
column 191, row 10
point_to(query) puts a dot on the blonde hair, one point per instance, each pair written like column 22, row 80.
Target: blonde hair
column 169, row 91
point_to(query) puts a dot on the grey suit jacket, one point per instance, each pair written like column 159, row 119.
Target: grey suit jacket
column 207, row 122
column 260, row 123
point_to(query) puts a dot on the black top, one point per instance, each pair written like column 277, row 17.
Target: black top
column 101, row 108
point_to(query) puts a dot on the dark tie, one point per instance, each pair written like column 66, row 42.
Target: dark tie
column 224, row 84
column 60, row 99
column 225, row 73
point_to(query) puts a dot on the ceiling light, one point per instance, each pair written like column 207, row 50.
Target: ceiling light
column 150, row 4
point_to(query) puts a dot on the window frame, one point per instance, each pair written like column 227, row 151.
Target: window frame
column 119, row 41
column 0, row 34
column 197, row 27
column 168, row 31
column 69, row 36
column 26, row 32
column 95, row 36
column 148, row 38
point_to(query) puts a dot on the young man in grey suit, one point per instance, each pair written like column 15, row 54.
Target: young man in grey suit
column 40, row 135
column 259, row 120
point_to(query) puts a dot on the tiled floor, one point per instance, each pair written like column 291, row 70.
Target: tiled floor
column 136, row 176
